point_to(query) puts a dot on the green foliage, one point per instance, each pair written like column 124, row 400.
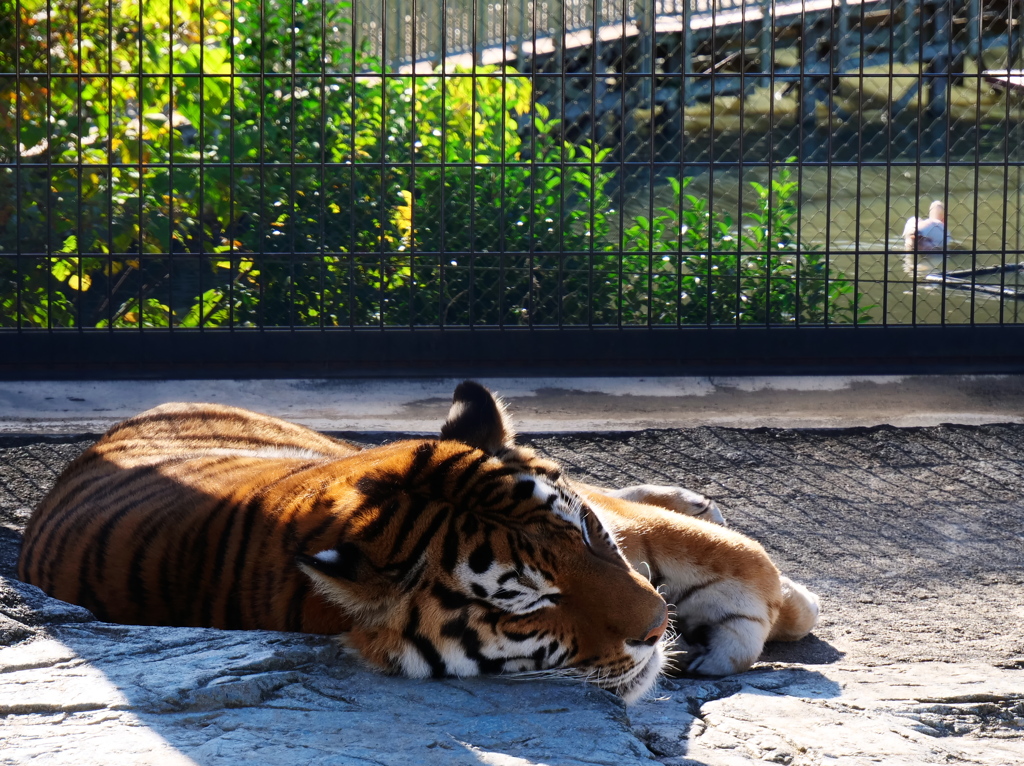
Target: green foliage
column 705, row 269
column 248, row 165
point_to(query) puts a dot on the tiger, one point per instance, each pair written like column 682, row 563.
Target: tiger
column 456, row 556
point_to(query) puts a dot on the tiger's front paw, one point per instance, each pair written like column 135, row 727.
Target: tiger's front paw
column 730, row 646
column 677, row 499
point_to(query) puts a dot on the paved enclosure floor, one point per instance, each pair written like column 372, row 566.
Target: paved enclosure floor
column 914, row 538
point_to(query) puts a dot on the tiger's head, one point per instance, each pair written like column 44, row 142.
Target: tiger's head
column 472, row 555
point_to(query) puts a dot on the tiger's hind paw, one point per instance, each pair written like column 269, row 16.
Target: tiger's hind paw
column 678, row 499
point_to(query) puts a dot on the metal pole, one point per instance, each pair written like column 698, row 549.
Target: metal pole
column 974, row 32
column 556, row 11
column 520, row 57
column 766, row 37
column 843, row 44
column 1012, row 44
column 402, row 31
column 910, row 30
column 808, row 65
column 941, row 29
column 644, row 12
column 556, row 24
column 687, row 66
column 481, row 31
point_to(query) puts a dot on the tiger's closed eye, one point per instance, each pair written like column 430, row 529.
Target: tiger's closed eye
column 599, row 541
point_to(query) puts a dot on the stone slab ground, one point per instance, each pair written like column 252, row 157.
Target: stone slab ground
column 914, row 537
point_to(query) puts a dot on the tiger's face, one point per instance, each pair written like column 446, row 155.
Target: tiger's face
column 491, row 564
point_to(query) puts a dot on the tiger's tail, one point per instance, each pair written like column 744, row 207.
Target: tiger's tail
column 798, row 615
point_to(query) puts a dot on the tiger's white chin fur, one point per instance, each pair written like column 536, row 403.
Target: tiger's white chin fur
column 643, row 679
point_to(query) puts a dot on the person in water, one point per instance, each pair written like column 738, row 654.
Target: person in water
column 927, row 234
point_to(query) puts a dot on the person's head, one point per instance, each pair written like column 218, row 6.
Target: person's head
column 937, row 211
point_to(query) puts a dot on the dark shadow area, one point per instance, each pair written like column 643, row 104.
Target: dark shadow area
column 29, row 465
column 810, row 650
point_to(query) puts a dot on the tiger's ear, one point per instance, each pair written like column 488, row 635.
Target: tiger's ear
column 341, row 563
column 478, row 418
column 346, row 577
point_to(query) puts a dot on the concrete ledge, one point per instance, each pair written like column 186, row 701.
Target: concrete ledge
column 539, row 404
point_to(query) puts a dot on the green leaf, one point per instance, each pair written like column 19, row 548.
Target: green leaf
column 70, row 245
column 62, row 268
column 204, row 308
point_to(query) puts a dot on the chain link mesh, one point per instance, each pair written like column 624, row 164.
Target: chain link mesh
column 258, row 163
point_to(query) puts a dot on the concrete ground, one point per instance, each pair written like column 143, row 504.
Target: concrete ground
column 540, row 404
column 913, row 535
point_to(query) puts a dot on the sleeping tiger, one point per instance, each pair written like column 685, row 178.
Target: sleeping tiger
column 455, row 556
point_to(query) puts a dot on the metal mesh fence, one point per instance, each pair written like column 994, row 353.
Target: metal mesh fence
column 448, row 163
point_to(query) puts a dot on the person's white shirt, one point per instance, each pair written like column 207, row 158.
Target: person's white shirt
column 928, row 233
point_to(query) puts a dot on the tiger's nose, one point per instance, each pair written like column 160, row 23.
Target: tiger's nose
column 655, row 632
